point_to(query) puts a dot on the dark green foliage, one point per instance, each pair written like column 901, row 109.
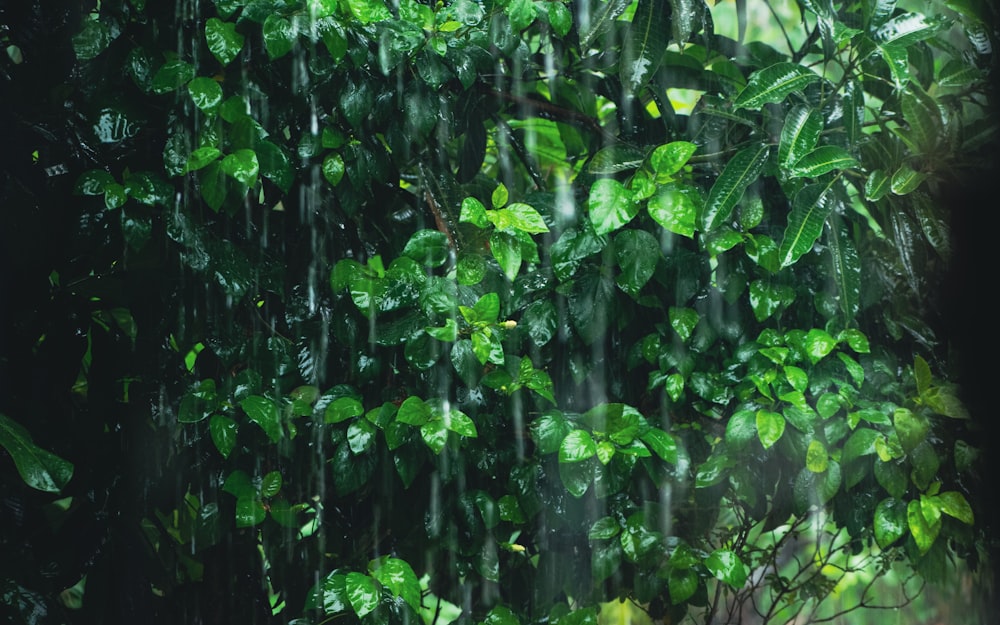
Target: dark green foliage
column 350, row 309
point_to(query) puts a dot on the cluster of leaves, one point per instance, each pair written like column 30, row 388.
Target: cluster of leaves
column 447, row 296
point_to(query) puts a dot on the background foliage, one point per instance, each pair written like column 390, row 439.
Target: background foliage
column 489, row 312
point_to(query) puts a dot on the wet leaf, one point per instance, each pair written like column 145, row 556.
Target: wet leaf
column 279, row 36
column 202, row 157
column 250, row 511
column 799, row 134
column 670, row 158
column 95, row 37
column 924, row 533
column 638, row 253
column 822, row 160
column 223, row 431
column 911, row 428
column 954, row 504
column 270, row 484
column 506, row 250
column 890, row 521
column 725, row 565
column 577, row 446
column 683, row 321
column 774, row 84
column 601, row 17
column 223, row 40
column 429, row 247
column 770, row 427
column 907, row 29
column 818, row 343
column 682, row 584
column 264, row 413
column 742, row 170
column 205, row 92
column 610, row 205
column 810, row 209
column 398, row 576
column 242, row 165
column 846, row 268
column 361, row 593
column 40, row 469
column 172, row 75
column 334, row 593
column 676, row 207
column 614, row 159
column 644, row 47
column 661, row 443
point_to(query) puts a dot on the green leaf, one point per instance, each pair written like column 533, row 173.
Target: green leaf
column 361, row 592
column 818, row 343
column 243, row 166
column 264, row 413
column 506, row 249
column 676, row 208
column 413, row 411
column 270, row 484
column 924, row 533
column 223, row 431
column 95, row 37
column 638, row 253
column 911, row 428
column 501, row 615
column 205, row 92
column 661, row 443
column 682, row 584
column 954, row 504
column 610, row 205
column 644, row 45
column 250, row 511
column 683, row 321
column 521, row 13
column 398, row 576
column 279, row 36
column 846, row 267
column 614, row 158
column 429, row 247
column 223, row 40
column 473, row 212
column 770, row 427
column 40, row 469
column 774, row 84
column 333, row 168
column 907, row 29
column 334, row 593
column 817, row 458
column 518, row 216
column 577, row 446
column 741, row 429
column 799, row 134
column 810, row 209
column 360, row 435
column 93, row 182
column 541, row 320
column 906, row 180
column 897, row 60
column 822, row 160
column 172, row 75
column 668, row 159
column 604, row 528
column 725, row 565
column 742, row 170
column 600, row 20
column 202, row 157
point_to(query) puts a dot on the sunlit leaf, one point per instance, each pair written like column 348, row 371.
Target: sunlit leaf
column 770, row 427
